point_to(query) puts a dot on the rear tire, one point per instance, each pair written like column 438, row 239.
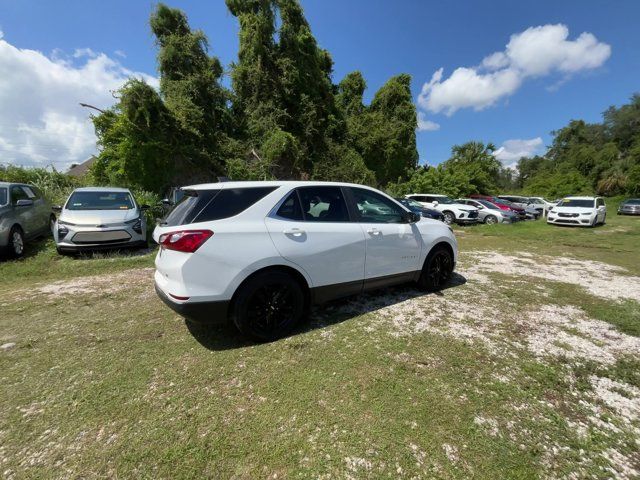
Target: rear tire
column 491, row 220
column 437, row 270
column 268, row 306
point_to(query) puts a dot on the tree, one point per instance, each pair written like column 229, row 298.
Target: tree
column 152, row 139
column 137, row 140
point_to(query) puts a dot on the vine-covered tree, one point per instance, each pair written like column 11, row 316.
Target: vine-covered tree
column 152, row 139
column 283, row 117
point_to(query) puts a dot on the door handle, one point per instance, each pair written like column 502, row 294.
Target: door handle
column 373, row 231
column 296, row 232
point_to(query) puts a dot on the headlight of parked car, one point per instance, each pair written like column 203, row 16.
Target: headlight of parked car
column 136, row 224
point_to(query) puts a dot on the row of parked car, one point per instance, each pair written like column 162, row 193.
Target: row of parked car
column 103, row 217
column 477, row 208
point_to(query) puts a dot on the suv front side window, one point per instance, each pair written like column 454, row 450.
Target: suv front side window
column 374, row 208
column 18, row 193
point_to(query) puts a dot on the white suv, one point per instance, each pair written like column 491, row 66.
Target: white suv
column 453, row 212
column 582, row 211
column 260, row 253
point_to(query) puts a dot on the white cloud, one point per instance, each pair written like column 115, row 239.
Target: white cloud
column 536, row 52
column 41, row 122
column 426, row 125
column 513, row 150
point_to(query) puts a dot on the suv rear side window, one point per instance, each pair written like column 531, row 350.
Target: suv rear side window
column 208, row 205
column 323, row 204
column 290, row 208
column 3, row 195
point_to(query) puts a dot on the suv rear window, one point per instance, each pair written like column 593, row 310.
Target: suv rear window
column 208, row 205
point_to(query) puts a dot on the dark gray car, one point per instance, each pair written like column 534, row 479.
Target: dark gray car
column 24, row 215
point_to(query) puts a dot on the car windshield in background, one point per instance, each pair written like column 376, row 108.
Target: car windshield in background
column 3, row 196
column 100, row 201
column 446, row 200
column 573, row 202
column 633, row 201
column 412, row 203
column 488, row 204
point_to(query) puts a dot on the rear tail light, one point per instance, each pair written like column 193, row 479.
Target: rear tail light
column 184, row 240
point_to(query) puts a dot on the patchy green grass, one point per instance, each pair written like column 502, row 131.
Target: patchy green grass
column 616, row 242
column 500, row 376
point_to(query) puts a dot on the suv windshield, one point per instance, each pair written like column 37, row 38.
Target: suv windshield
column 3, row 196
column 572, row 202
column 443, row 200
column 100, row 201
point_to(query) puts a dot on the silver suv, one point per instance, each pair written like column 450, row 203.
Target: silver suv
column 24, row 215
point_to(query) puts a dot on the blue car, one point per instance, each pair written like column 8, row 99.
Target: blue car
column 417, row 208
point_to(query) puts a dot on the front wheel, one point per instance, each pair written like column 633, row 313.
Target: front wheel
column 16, row 242
column 437, row 270
column 449, row 217
column 268, row 306
column 491, row 220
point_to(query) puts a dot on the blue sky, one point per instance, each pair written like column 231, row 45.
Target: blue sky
column 379, row 38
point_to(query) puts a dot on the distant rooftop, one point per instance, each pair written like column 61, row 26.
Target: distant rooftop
column 81, row 169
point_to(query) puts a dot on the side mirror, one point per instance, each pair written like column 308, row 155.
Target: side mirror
column 480, row 207
column 24, row 203
column 56, row 208
column 412, row 217
column 435, row 203
column 166, row 201
column 144, row 207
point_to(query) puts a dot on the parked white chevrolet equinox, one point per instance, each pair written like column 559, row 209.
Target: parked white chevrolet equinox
column 260, row 253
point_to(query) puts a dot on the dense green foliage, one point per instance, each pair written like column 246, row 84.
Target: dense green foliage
column 602, row 158
column 54, row 185
column 472, row 168
column 283, row 118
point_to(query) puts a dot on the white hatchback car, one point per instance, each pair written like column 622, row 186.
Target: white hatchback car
column 259, row 253
column 581, row 211
column 100, row 218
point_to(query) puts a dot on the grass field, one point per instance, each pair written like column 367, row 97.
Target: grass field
column 528, row 366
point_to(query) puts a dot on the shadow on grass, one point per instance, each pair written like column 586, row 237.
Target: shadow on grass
column 226, row 336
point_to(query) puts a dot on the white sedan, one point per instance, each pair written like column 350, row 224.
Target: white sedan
column 578, row 211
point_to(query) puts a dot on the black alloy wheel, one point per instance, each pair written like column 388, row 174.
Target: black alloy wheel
column 437, row 270
column 268, row 305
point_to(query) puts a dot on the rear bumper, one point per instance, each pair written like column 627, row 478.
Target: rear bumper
column 199, row 312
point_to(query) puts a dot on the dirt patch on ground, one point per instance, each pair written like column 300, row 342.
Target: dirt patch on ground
column 599, row 279
column 90, row 285
column 546, row 333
